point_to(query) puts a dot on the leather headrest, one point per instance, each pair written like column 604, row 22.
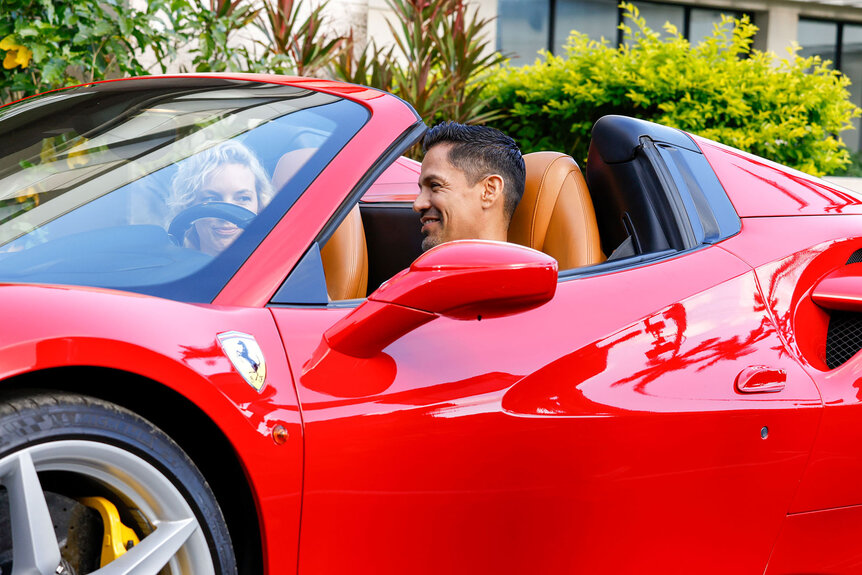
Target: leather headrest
column 556, row 214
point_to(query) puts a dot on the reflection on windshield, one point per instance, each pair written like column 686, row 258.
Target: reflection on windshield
column 142, row 183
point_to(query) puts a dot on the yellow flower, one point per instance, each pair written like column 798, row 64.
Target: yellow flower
column 48, row 151
column 78, row 156
column 30, row 194
column 16, row 54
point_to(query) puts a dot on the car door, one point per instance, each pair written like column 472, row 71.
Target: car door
column 602, row 431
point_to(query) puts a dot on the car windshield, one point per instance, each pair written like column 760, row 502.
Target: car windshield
column 157, row 186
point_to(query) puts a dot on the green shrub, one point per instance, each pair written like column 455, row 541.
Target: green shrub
column 51, row 44
column 720, row 89
column 54, row 43
column 853, row 169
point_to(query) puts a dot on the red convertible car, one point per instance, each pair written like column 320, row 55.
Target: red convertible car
column 222, row 349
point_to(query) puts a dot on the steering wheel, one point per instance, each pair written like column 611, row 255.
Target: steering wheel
column 232, row 213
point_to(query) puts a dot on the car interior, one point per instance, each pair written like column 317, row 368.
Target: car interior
column 647, row 194
column 345, row 254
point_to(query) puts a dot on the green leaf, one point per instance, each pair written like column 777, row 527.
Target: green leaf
column 26, row 31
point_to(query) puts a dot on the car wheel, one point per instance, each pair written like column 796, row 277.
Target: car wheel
column 61, row 452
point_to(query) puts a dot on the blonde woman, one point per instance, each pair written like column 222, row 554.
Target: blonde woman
column 228, row 173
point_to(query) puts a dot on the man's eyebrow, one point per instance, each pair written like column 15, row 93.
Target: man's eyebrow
column 431, row 176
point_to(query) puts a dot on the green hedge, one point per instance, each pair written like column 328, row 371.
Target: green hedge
column 790, row 111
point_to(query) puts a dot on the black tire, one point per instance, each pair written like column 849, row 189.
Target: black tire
column 56, row 448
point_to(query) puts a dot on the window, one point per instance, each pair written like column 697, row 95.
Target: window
column 526, row 26
column 702, row 21
column 851, row 64
column 523, row 28
column 841, row 43
column 595, row 18
column 657, row 14
column 819, row 38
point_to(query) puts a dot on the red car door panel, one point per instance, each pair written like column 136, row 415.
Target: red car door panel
column 607, row 414
column 819, row 542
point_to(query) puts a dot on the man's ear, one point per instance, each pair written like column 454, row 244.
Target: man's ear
column 492, row 190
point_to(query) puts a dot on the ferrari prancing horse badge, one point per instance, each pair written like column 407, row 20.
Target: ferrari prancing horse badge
column 246, row 356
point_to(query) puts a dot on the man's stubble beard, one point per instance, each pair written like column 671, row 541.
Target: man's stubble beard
column 429, row 242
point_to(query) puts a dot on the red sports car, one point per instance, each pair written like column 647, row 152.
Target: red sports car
column 211, row 360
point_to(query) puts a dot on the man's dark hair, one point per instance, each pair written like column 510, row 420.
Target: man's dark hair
column 481, row 151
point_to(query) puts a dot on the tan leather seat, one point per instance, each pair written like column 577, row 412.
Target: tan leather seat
column 556, row 215
column 288, row 165
column 345, row 259
column 345, row 255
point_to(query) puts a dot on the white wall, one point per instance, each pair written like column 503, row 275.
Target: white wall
column 378, row 11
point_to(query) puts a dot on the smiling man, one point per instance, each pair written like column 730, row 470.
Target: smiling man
column 471, row 181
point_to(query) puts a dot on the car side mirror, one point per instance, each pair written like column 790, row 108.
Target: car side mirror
column 466, row 280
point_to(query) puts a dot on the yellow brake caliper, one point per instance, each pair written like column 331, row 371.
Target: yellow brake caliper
column 118, row 538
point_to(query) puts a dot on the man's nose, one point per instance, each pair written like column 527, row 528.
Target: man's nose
column 421, row 203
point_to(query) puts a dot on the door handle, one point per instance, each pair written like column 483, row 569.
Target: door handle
column 760, row 379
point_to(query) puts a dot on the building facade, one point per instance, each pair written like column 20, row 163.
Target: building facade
column 831, row 29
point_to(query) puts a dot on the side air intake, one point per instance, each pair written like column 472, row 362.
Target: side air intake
column 844, row 335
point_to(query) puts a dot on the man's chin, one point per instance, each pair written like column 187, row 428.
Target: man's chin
column 429, row 242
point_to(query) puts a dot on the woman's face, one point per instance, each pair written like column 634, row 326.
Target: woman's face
column 232, row 184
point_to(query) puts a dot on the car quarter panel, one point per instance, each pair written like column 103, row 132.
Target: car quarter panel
column 818, row 245
column 541, row 441
column 826, row 511
column 759, row 187
column 175, row 345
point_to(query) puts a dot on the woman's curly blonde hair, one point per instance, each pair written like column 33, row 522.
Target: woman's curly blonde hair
column 194, row 171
